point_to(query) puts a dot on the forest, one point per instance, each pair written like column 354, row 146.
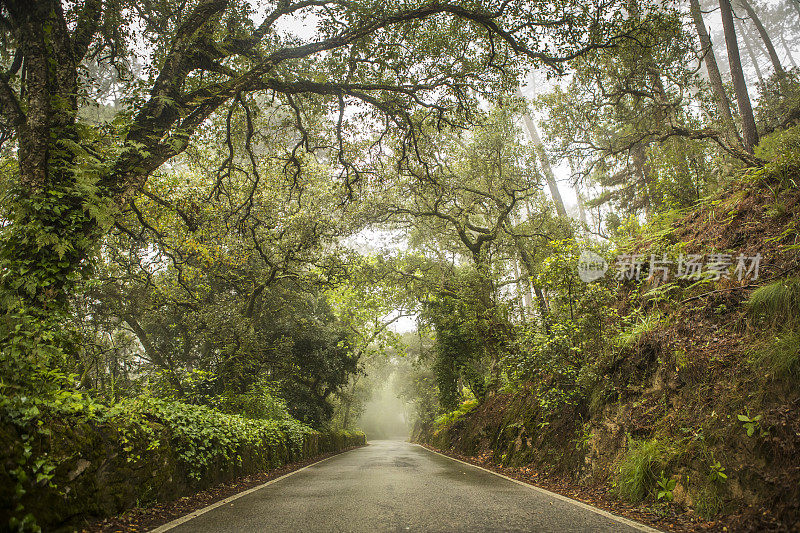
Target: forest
column 556, row 239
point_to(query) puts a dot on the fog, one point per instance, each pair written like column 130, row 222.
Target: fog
column 385, row 416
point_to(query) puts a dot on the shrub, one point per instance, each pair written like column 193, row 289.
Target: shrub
column 135, row 451
column 782, row 151
column 260, row 402
column 779, row 101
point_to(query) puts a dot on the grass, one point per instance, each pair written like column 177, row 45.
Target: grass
column 780, row 355
column 638, row 473
column 632, row 337
column 776, row 304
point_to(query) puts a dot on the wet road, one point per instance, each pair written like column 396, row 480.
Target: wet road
column 397, row 486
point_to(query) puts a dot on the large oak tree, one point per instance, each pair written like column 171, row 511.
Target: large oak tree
column 396, row 66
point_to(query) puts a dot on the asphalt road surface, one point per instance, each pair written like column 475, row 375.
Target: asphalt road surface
column 397, row 486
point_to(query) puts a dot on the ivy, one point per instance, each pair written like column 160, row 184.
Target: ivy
column 202, row 438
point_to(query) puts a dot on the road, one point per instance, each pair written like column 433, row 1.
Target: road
column 397, row 486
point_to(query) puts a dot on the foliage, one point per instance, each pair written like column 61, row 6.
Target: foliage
column 203, row 436
column 185, row 240
column 665, row 487
column 779, row 101
column 636, row 476
column 717, row 472
column 584, row 437
column 781, row 149
column 778, row 349
column 779, row 354
column 451, row 417
column 752, row 425
column 194, row 445
column 458, row 344
column 630, row 338
column 260, row 402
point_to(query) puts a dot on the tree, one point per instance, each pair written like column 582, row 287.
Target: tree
column 545, row 161
column 756, row 20
column 749, row 132
column 463, row 205
column 714, row 76
column 623, row 122
column 71, row 177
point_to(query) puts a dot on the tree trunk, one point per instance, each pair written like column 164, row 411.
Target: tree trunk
column 349, row 404
column 544, row 311
column 750, row 51
column 545, row 162
column 642, row 167
column 788, row 50
column 488, row 327
column 55, row 207
column 773, row 55
column 548, row 170
column 581, row 209
column 749, row 132
column 714, row 76
column 523, row 298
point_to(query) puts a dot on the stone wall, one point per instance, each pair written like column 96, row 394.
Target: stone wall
column 102, row 469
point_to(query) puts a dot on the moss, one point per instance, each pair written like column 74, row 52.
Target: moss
column 707, row 502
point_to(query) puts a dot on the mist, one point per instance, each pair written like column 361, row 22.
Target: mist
column 385, row 416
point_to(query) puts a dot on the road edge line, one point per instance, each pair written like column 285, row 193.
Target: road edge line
column 596, row 510
column 194, row 514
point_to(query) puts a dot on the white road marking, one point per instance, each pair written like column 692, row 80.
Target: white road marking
column 194, row 514
column 601, row 512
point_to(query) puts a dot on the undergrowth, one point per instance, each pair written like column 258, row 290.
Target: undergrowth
column 448, row 418
column 639, row 471
column 633, row 336
column 779, row 355
column 776, row 304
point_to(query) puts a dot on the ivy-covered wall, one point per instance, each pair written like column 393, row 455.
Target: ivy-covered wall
column 67, row 458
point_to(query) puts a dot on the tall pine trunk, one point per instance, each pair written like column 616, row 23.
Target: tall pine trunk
column 788, row 50
column 749, row 132
column 714, row 76
column 545, row 162
column 751, row 52
column 773, row 55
